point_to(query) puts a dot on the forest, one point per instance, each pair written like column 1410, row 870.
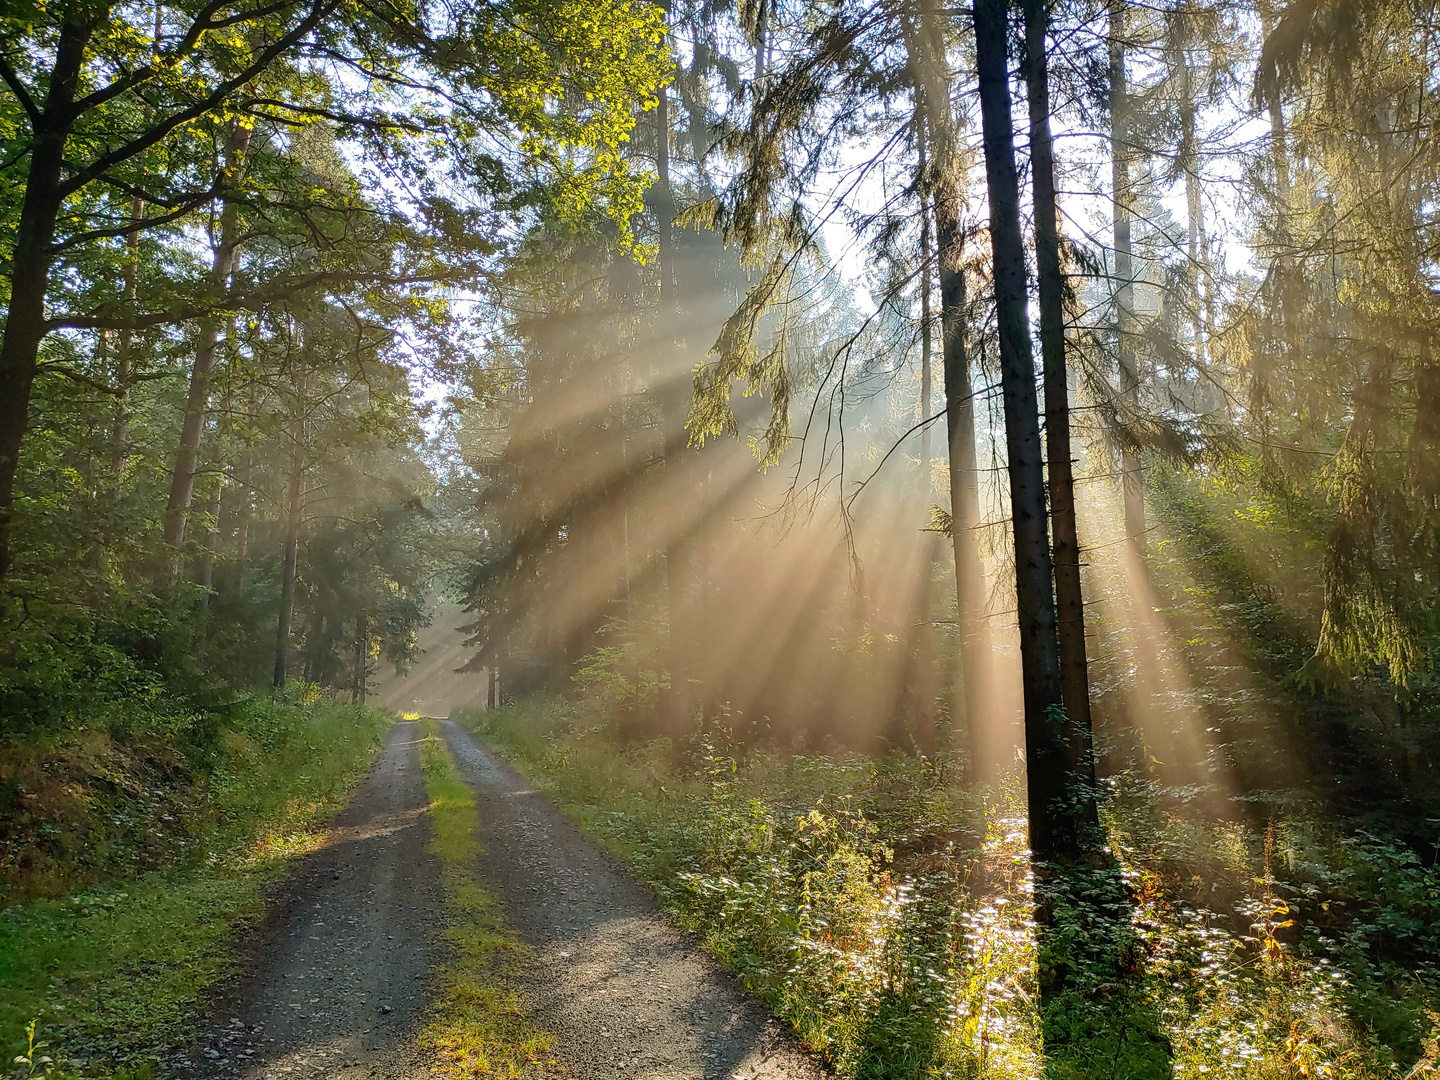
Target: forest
column 945, row 497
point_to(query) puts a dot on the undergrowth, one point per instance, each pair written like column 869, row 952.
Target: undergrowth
column 116, row 974
column 884, row 909
column 477, row 1025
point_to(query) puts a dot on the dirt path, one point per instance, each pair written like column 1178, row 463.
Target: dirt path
column 340, row 968
column 626, row 994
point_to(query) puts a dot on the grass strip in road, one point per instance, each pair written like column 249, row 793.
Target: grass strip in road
column 478, row 1025
column 116, row 975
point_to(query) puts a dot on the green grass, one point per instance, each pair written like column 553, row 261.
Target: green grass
column 478, row 1026
column 115, row 975
column 883, row 909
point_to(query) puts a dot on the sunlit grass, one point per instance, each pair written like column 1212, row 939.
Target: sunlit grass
column 117, row 974
column 884, row 910
column 478, row 1025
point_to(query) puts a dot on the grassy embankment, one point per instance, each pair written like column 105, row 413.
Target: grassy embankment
column 882, row 909
column 172, row 837
column 477, row 1025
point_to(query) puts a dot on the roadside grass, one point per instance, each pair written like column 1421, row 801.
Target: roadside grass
column 116, row 975
column 477, row 1025
column 883, row 909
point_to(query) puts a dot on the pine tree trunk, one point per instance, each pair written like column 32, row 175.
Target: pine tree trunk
column 361, row 676
column 245, row 508
column 125, row 366
column 675, row 407
column 927, row 287
column 1053, row 835
column 1132, row 480
column 1194, row 210
column 205, row 572
column 923, row 40
column 31, row 257
column 294, row 509
column 125, row 371
column 1069, row 600
column 187, row 454
column 924, row 677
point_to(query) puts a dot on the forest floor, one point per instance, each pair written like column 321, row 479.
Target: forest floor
column 342, row 970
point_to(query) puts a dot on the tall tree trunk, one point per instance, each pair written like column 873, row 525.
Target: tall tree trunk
column 1279, row 153
column 205, row 572
column 125, row 371
column 1053, row 833
column 676, row 408
column 243, row 472
column 1194, row 210
column 361, row 677
column 294, row 510
column 924, row 43
column 125, row 366
column 926, row 658
column 31, row 257
column 927, row 287
column 762, row 40
column 1132, row 480
column 187, row 454
column 1069, row 601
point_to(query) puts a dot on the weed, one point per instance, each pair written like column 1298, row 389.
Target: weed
column 885, row 912
column 117, row 974
column 478, row 1025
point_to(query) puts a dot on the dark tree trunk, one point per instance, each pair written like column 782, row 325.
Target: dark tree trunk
column 923, row 42
column 1053, row 835
column 927, row 287
column 244, row 508
column 31, row 258
column 1194, row 211
column 205, row 572
column 361, row 681
column 1132, row 480
column 294, row 510
column 125, row 372
column 964, row 479
column 675, row 405
column 1069, row 601
column 925, row 691
column 187, row 455
column 125, row 366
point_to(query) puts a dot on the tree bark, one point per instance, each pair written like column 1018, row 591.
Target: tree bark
column 927, row 287
column 125, row 365
column 675, row 406
column 924, row 674
column 187, row 454
column 32, row 258
column 127, row 334
column 1069, row 600
column 1132, row 479
column 362, row 659
column 205, row 572
column 1053, row 835
column 1194, row 210
column 294, row 509
column 926, row 52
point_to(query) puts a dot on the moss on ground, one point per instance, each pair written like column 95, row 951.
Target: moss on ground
column 478, row 1025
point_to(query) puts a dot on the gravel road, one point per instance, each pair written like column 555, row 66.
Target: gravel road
column 339, row 969
column 626, row 994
